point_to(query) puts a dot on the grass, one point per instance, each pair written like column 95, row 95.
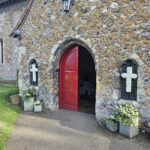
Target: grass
column 8, row 113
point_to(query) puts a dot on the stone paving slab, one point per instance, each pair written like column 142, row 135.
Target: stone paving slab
column 65, row 130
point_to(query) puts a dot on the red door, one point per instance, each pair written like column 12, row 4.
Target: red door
column 68, row 79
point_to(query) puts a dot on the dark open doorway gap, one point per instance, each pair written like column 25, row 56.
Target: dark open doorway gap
column 86, row 82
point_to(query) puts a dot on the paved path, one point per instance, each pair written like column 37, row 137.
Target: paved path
column 64, row 130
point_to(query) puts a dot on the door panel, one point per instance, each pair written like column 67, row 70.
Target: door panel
column 68, row 79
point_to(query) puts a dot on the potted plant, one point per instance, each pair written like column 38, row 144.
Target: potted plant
column 28, row 99
column 127, row 115
column 112, row 124
column 38, row 106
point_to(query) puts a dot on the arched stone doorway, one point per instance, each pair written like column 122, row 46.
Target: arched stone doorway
column 77, row 80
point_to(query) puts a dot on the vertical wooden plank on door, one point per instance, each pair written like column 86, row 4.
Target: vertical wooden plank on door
column 68, row 79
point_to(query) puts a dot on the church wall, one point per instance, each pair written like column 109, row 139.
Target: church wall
column 9, row 17
column 112, row 31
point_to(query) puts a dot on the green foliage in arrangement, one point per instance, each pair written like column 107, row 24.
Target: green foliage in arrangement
column 127, row 114
column 27, row 94
column 112, row 119
column 38, row 102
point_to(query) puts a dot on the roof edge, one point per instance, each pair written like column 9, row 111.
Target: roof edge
column 23, row 18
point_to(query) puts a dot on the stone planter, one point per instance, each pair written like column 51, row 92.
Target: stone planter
column 38, row 108
column 112, row 126
column 28, row 104
column 15, row 99
column 128, row 131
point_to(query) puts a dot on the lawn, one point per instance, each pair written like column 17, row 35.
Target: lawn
column 8, row 113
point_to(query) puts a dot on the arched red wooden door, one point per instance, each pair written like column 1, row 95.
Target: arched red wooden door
column 68, row 79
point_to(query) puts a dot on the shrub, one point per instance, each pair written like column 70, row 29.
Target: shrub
column 38, row 102
column 27, row 94
column 127, row 114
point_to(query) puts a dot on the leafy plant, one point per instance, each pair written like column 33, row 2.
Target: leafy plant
column 38, row 102
column 112, row 120
column 27, row 94
column 147, row 123
column 127, row 114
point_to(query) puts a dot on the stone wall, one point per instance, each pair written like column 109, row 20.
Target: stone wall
column 9, row 17
column 112, row 31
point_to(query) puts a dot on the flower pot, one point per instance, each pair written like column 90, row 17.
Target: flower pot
column 38, row 108
column 28, row 104
column 112, row 126
column 128, row 131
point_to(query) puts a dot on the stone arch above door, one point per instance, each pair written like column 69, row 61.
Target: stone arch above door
column 67, row 43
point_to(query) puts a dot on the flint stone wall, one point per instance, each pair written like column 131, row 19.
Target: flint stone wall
column 112, row 31
column 9, row 17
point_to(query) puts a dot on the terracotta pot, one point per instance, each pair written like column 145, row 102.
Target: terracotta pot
column 15, row 99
